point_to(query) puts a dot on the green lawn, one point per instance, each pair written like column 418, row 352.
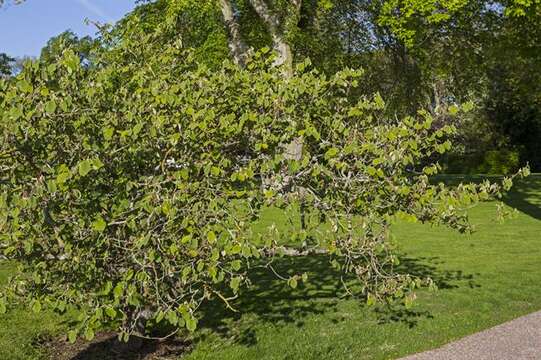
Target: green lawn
column 484, row 279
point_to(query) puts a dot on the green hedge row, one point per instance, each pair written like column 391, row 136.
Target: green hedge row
column 493, row 162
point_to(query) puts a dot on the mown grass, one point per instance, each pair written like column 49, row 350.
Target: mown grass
column 484, row 279
column 21, row 330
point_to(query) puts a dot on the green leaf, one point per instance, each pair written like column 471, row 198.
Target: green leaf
column 293, row 282
column 172, row 317
column 71, row 60
column 111, row 312
column 236, row 265
column 507, row 184
column 16, row 113
column 211, row 237
column 191, row 324
column 159, row 316
column 108, row 133
column 89, row 334
column 200, row 266
column 99, row 224
column 36, row 306
column 50, row 107
column 331, row 153
column 97, row 164
column 72, row 336
column 84, row 167
column 63, row 177
column 236, row 249
column 186, row 239
column 370, row 300
column 234, row 284
column 51, row 186
column 118, row 290
column 25, row 86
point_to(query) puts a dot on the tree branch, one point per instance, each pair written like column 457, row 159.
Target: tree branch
column 286, row 251
column 236, row 45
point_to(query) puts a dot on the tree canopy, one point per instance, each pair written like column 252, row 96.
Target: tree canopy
column 132, row 166
column 6, row 63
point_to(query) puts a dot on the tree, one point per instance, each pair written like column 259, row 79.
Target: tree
column 2, row 2
column 513, row 103
column 68, row 39
column 6, row 63
column 127, row 190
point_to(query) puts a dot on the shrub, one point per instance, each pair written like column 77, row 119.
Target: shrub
column 492, row 162
column 128, row 189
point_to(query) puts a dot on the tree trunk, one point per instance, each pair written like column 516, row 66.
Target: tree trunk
column 236, row 44
column 280, row 45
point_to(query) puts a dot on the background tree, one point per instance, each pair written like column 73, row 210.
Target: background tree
column 6, row 63
column 68, row 39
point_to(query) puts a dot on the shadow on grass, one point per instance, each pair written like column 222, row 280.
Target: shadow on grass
column 273, row 301
column 423, row 267
column 526, row 197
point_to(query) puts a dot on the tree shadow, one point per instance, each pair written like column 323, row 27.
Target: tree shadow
column 270, row 300
column 401, row 314
column 273, row 301
column 525, row 196
column 423, row 267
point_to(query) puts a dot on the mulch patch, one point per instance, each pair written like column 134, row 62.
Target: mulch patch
column 106, row 347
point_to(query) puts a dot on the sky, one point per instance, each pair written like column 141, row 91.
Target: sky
column 25, row 28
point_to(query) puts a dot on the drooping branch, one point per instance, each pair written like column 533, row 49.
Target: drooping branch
column 292, row 252
column 236, row 45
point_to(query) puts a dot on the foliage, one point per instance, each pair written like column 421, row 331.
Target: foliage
column 278, row 321
column 197, row 23
column 420, row 54
column 6, row 63
column 128, row 189
column 492, row 162
column 68, row 39
column 513, row 104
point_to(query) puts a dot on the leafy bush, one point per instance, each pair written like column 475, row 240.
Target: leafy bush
column 128, row 189
column 492, row 162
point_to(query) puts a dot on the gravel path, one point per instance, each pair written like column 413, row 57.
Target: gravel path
column 519, row 339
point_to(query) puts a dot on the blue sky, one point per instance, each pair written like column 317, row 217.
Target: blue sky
column 25, row 28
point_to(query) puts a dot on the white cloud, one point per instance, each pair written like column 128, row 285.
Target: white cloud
column 96, row 10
